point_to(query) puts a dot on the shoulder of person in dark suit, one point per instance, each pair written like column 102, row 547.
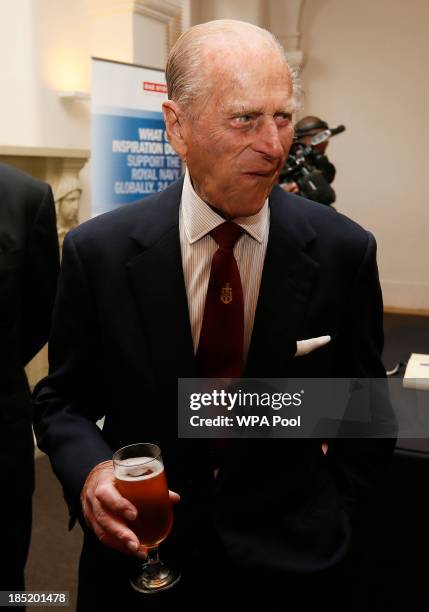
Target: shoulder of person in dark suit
column 152, row 216
column 334, row 234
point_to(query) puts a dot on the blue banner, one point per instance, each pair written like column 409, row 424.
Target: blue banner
column 131, row 156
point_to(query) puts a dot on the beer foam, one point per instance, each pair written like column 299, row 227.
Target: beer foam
column 138, row 468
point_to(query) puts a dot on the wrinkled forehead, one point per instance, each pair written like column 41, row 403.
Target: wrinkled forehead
column 224, row 55
column 238, row 76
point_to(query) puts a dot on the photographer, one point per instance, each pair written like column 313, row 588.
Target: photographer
column 308, row 171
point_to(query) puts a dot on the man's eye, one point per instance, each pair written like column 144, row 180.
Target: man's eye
column 242, row 119
column 283, row 118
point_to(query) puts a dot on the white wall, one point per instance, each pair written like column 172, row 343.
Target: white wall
column 252, row 11
column 44, row 48
column 19, row 105
column 63, row 52
column 366, row 67
column 63, row 57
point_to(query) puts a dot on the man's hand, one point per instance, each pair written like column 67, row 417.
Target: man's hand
column 106, row 512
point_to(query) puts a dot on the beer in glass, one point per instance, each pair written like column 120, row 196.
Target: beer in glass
column 140, row 478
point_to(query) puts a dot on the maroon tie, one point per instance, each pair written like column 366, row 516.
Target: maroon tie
column 220, row 349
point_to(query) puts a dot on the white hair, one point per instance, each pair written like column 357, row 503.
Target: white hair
column 186, row 79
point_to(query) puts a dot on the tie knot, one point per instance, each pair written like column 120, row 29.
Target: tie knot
column 227, row 234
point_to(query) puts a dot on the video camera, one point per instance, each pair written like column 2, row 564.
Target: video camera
column 310, row 169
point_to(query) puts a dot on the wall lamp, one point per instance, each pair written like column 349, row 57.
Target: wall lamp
column 73, row 95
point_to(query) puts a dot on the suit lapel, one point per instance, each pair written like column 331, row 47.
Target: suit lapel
column 156, row 278
column 287, row 282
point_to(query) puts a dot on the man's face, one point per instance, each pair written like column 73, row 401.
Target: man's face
column 238, row 143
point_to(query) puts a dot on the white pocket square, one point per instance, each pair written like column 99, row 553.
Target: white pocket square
column 303, row 347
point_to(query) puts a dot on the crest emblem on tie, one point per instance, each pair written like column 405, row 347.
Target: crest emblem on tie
column 226, row 294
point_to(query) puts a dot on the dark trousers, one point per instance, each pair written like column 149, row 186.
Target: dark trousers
column 17, row 484
column 214, row 584
column 15, row 540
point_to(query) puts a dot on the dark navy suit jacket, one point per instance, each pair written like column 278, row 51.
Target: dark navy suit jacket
column 29, row 266
column 121, row 338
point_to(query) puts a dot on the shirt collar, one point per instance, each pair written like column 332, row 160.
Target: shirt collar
column 199, row 219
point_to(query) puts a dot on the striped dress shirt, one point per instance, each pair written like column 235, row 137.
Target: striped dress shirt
column 196, row 220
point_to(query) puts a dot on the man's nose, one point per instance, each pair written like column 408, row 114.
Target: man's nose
column 267, row 139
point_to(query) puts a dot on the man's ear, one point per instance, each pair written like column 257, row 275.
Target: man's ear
column 174, row 119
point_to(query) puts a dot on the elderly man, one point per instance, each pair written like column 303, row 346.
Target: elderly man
column 137, row 309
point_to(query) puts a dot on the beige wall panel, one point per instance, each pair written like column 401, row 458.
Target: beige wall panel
column 366, row 66
column 252, row 11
